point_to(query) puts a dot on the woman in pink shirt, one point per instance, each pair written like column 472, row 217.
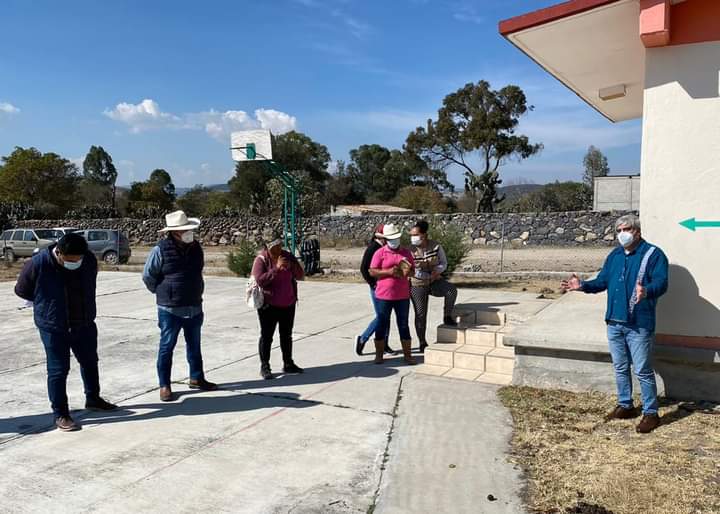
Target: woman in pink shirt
column 276, row 273
column 391, row 266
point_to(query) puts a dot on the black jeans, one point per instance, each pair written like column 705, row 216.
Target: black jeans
column 83, row 343
column 271, row 317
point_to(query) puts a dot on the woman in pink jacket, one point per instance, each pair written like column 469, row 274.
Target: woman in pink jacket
column 276, row 272
column 391, row 266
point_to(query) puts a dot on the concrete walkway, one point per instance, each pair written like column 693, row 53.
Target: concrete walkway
column 347, row 436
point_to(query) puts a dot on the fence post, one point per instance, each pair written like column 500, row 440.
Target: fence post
column 502, row 243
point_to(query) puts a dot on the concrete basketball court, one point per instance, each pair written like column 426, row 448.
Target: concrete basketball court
column 347, row 436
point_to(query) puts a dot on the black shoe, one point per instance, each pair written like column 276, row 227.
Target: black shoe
column 265, row 372
column 423, row 345
column 359, row 345
column 66, row 424
column 389, row 350
column 99, row 404
column 292, row 368
column 450, row 321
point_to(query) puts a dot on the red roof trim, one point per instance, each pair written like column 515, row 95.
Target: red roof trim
column 549, row 14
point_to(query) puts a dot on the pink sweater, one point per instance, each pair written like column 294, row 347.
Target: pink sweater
column 391, row 288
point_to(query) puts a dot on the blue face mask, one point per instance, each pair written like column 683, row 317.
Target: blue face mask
column 72, row 266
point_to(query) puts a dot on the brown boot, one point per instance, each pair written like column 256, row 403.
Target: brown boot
column 648, row 423
column 407, row 356
column 379, row 349
column 622, row 413
column 166, row 394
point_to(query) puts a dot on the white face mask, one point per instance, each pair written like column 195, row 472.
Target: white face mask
column 188, row 237
column 72, row 266
column 393, row 243
column 625, row 239
column 416, row 240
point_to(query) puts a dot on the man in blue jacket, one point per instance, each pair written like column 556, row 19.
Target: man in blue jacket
column 60, row 281
column 173, row 272
column 635, row 276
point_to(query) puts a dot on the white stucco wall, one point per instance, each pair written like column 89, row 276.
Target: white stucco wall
column 681, row 180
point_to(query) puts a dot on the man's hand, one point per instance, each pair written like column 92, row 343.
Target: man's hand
column 572, row 284
column 640, row 292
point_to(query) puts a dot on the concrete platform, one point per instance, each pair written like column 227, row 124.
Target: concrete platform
column 565, row 346
column 346, row 436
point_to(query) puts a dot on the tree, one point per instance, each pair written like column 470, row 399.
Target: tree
column 99, row 170
column 476, row 118
column 295, row 152
column 44, row 181
column 378, row 173
column 557, row 197
column 202, row 201
column 596, row 165
column 421, row 199
column 157, row 193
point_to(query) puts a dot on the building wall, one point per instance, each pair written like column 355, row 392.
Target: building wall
column 681, row 180
column 620, row 193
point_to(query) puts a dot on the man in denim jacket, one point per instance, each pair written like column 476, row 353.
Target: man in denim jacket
column 635, row 276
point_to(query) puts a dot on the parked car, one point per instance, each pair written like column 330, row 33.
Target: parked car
column 24, row 242
column 61, row 231
column 110, row 246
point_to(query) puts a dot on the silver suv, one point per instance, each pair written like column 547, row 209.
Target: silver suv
column 24, row 242
column 110, row 246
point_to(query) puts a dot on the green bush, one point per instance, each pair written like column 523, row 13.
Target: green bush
column 453, row 242
column 240, row 261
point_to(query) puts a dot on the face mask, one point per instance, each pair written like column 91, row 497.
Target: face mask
column 625, row 238
column 416, row 240
column 188, row 237
column 72, row 266
column 394, row 243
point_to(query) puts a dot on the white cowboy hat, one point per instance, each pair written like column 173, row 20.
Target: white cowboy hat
column 391, row 232
column 178, row 221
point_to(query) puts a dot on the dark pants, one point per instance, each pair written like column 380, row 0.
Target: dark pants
column 402, row 313
column 420, row 297
column 83, row 343
column 271, row 317
column 170, row 326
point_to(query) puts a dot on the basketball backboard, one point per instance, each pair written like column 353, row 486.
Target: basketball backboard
column 251, row 145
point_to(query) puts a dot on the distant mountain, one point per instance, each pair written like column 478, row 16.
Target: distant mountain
column 224, row 188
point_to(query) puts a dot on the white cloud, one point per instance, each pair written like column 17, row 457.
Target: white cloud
column 8, row 108
column 147, row 115
column 467, row 13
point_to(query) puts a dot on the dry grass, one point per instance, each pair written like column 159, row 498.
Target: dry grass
column 574, row 460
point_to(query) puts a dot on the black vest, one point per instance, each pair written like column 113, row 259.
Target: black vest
column 182, row 283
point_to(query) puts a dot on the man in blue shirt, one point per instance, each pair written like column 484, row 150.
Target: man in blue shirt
column 635, row 276
column 173, row 272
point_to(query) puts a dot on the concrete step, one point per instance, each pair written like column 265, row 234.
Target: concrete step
column 500, row 360
column 448, row 334
column 494, row 378
column 482, row 317
column 471, row 357
column 441, row 354
column 484, row 335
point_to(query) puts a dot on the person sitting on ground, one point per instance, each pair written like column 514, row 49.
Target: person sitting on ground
column 635, row 276
column 377, row 242
column 61, row 281
column 391, row 266
column 430, row 264
column 276, row 272
column 173, row 273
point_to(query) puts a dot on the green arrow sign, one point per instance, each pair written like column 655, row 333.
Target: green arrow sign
column 693, row 224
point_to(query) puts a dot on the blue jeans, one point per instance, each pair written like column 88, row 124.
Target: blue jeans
column 372, row 327
column 83, row 343
column 633, row 346
column 170, row 326
column 402, row 313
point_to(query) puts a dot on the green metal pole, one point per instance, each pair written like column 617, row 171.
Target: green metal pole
column 285, row 217
column 293, row 226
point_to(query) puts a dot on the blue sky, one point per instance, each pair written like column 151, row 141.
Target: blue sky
column 161, row 84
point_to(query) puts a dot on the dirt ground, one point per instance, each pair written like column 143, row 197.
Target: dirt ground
column 577, row 462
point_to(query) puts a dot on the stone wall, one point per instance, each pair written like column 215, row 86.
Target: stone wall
column 549, row 229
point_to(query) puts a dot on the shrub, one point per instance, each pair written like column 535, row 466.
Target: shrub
column 421, row 199
column 453, row 242
column 240, row 261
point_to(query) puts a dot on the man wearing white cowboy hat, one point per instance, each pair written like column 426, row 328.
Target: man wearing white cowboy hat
column 173, row 272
